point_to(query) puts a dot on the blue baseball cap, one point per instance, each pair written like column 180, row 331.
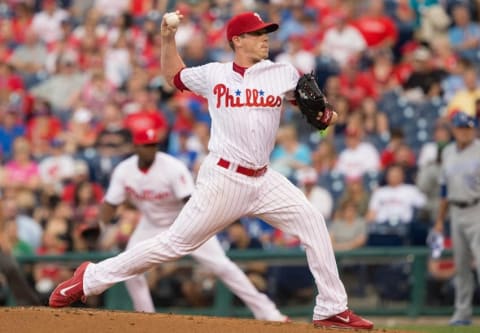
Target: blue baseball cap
column 463, row 120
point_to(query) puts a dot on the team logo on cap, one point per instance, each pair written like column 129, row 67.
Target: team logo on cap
column 258, row 16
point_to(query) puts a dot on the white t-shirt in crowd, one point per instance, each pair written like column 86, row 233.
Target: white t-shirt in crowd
column 396, row 203
column 341, row 45
column 355, row 162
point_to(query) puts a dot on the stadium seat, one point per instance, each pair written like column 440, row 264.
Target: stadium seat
column 334, row 182
column 371, row 180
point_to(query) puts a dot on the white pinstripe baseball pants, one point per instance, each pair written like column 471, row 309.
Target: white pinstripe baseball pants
column 221, row 197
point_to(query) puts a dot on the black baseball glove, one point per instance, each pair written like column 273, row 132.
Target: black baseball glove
column 312, row 102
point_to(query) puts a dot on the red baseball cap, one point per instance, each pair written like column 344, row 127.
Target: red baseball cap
column 248, row 22
column 145, row 136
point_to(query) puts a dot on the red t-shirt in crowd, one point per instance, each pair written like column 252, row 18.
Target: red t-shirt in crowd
column 376, row 30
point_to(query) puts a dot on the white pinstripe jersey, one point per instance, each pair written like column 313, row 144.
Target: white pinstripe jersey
column 245, row 110
column 157, row 192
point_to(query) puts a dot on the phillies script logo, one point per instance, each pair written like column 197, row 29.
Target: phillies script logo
column 253, row 97
column 146, row 194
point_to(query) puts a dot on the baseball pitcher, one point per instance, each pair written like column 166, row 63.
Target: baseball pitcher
column 245, row 99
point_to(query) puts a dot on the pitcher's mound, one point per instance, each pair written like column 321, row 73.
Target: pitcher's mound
column 74, row 320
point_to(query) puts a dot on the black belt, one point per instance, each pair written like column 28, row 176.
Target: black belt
column 464, row 204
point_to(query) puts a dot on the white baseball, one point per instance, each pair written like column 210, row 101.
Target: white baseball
column 172, row 20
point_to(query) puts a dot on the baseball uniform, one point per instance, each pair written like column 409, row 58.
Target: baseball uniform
column 460, row 176
column 234, row 180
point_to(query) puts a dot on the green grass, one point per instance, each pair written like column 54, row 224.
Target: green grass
column 438, row 329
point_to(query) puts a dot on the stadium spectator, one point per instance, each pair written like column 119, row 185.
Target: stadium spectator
column 21, row 20
column 21, row 172
column 342, row 107
column 302, row 60
column 387, row 156
column 454, row 81
column 43, row 126
column 11, row 84
column 464, row 34
column 118, row 63
column 348, row 229
column 47, row 22
column 392, row 207
column 95, row 94
column 444, row 56
column 28, row 230
column 356, row 192
column 82, row 129
column 442, row 135
column 30, row 59
column 375, row 122
column 113, row 145
column 377, row 27
column 466, row 99
column 356, row 84
column 11, row 127
column 382, row 72
column 109, row 10
column 359, row 156
column 81, row 174
column 342, row 41
column 424, row 80
column 85, row 202
column 195, row 53
column 318, row 196
column 16, row 245
column 289, row 155
column 60, row 88
column 405, row 20
column 58, row 167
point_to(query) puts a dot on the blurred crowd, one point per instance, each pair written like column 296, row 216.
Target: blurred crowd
column 76, row 76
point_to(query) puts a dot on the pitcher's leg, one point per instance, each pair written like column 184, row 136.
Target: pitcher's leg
column 212, row 256
column 210, row 209
column 286, row 207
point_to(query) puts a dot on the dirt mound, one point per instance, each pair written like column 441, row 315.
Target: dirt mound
column 73, row 320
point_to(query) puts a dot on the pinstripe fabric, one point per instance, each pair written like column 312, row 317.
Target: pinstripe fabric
column 222, row 196
column 242, row 132
column 284, row 206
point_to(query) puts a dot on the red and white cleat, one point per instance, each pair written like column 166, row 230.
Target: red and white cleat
column 70, row 290
column 345, row 319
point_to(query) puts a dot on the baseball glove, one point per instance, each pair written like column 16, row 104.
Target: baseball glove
column 312, row 102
